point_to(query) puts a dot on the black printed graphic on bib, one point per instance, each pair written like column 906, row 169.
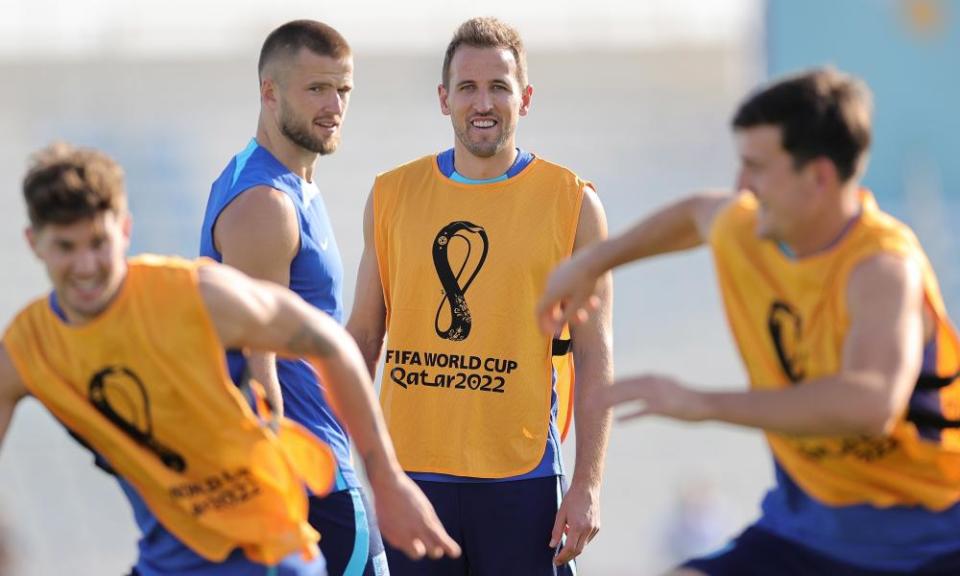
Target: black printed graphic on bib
column 459, row 252
column 118, row 394
column 454, row 303
column 413, row 368
column 785, row 328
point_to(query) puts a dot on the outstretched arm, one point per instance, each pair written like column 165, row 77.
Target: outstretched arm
column 881, row 362
column 12, row 390
column 579, row 513
column 262, row 316
column 367, row 322
column 572, row 291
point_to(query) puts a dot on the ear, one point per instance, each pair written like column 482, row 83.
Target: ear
column 525, row 98
column 824, row 173
column 268, row 93
column 443, row 95
column 32, row 239
column 127, row 224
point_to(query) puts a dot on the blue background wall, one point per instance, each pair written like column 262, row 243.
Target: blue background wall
column 907, row 51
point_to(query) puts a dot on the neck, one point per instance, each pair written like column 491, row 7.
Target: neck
column 477, row 168
column 829, row 225
column 298, row 160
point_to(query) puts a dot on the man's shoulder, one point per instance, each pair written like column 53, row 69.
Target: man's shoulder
column 418, row 165
column 884, row 227
column 156, row 262
column 255, row 166
column 542, row 164
column 735, row 218
column 23, row 316
column 151, row 275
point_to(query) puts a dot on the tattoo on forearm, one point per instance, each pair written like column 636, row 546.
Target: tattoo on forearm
column 309, row 341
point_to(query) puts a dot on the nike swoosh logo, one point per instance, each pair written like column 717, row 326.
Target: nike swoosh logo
column 323, row 244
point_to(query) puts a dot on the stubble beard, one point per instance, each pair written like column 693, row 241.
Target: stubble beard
column 299, row 133
column 482, row 149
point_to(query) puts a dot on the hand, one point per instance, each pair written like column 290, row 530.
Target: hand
column 578, row 518
column 407, row 519
column 656, row 395
column 571, row 296
column 273, row 423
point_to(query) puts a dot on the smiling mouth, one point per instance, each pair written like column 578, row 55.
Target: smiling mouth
column 483, row 123
column 327, row 125
column 87, row 289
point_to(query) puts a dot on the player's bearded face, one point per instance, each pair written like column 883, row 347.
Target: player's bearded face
column 484, row 99
column 85, row 260
column 482, row 144
column 312, row 100
column 318, row 135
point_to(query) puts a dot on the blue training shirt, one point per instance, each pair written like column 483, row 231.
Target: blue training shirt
column 895, row 539
column 316, row 275
column 551, row 464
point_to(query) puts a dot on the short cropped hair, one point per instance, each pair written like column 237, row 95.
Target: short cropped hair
column 487, row 33
column 66, row 184
column 821, row 113
column 288, row 39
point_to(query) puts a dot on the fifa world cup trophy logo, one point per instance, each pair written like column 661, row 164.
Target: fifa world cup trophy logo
column 468, row 238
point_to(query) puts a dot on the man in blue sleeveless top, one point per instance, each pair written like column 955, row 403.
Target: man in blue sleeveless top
column 265, row 216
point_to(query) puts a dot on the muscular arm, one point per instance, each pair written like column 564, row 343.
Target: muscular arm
column 881, row 362
column 258, row 234
column 367, row 322
column 572, row 291
column 12, row 390
column 592, row 350
column 262, row 316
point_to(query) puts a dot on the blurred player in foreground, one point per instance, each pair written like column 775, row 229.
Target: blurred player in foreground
column 837, row 314
column 128, row 355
